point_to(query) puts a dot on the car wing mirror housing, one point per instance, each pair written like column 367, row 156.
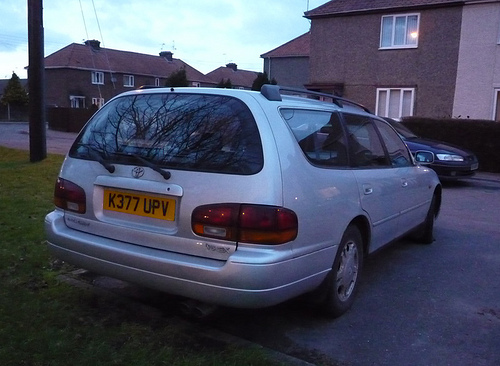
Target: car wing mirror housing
column 424, row 157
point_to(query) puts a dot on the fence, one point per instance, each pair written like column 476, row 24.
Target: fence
column 68, row 119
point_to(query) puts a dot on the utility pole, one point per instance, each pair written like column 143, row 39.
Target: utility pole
column 36, row 82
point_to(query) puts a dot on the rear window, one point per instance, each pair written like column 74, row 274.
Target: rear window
column 181, row 131
column 320, row 136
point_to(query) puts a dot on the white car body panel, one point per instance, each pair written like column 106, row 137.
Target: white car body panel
column 167, row 255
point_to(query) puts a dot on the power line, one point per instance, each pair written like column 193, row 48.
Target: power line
column 90, row 48
column 103, row 45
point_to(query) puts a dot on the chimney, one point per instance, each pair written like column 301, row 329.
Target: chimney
column 94, row 43
column 233, row 66
column 167, row 55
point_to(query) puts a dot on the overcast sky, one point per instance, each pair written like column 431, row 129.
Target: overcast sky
column 205, row 34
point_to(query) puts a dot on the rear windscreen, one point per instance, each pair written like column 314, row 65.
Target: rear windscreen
column 182, row 131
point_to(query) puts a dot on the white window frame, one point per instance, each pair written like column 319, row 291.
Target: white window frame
column 128, row 81
column 496, row 105
column 77, row 101
column 387, row 103
column 196, row 84
column 98, row 77
column 99, row 102
column 408, row 37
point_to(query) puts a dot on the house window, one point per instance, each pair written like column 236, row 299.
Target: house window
column 128, row 80
column 157, row 81
column 399, row 31
column 77, row 101
column 196, row 84
column 97, row 77
column 496, row 113
column 99, row 102
column 395, row 103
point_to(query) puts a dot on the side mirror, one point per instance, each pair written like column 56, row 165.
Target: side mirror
column 424, row 157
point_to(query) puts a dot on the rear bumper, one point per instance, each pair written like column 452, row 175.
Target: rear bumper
column 228, row 283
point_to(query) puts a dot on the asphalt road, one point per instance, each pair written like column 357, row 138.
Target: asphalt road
column 435, row 304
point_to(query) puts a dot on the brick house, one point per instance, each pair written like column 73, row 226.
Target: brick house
column 288, row 64
column 240, row 79
column 432, row 58
column 81, row 75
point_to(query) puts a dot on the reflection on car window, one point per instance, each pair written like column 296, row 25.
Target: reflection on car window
column 183, row 131
column 365, row 147
column 320, row 136
column 398, row 153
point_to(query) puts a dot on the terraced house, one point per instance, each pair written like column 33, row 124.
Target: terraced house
column 432, row 58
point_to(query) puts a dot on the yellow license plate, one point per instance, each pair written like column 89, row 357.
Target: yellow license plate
column 139, row 204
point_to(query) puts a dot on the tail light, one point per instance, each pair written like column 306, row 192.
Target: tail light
column 256, row 224
column 69, row 196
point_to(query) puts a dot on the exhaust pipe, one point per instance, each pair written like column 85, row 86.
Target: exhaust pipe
column 186, row 307
column 197, row 309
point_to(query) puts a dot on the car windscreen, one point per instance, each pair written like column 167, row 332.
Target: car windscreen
column 401, row 129
column 179, row 131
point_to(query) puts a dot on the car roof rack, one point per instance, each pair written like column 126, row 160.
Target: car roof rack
column 273, row 93
column 150, row 87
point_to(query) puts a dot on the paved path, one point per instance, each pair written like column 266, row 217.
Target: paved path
column 16, row 135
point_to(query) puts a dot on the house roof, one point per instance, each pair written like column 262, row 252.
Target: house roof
column 88, row 57
column 297, row 47
column 344, row 7
column 238, row 77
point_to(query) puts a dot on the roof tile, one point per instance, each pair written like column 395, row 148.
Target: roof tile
column 238, row 77
column 295, row 48
column 337, row 7
column 80, row 56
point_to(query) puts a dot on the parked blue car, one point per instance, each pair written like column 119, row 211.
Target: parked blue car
column 448, row 161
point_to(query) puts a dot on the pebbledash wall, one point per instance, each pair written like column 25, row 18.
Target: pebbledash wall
column 478, row 76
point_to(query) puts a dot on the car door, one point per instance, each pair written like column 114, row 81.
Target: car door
column 378, row 183
column 413, row 198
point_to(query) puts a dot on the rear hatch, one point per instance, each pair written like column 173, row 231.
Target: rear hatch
column 148, row 159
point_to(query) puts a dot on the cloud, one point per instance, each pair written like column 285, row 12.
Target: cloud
column 204, row 33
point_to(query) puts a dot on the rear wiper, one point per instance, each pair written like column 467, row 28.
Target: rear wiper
column 165, row 174
column 97, row 157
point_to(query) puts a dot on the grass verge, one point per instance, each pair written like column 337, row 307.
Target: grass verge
column 44, row 321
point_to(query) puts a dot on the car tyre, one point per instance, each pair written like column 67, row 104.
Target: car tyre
column 341, row 284
column 425, row 234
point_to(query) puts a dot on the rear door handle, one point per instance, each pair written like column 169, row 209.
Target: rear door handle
column 367, row 189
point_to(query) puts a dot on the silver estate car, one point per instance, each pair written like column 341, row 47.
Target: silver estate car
column 238, row 198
